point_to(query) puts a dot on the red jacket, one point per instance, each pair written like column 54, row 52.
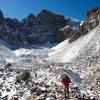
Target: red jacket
column 65, row 81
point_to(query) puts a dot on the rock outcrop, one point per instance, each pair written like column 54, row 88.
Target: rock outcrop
column 92, row 20
column 74, row 31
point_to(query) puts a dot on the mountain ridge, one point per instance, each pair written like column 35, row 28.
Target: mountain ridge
column 45, row 27
column 32, row 27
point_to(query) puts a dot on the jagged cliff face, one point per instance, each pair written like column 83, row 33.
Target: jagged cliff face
column 45, row 27
column 33, row 29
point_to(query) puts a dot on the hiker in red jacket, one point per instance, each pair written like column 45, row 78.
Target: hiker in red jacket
column 65, row 81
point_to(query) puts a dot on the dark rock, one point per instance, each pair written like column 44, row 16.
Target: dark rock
column 4, row 78
column 0, row 94
column 1, row 76
column 18, row 80
column 8, row 65
column 1, row 85
column 5, row 97
column 75, row 36
column 8, row 90
column 14, row 98
column 34, row 89
column 20, row 93
column 24, row 75
column 39, row 92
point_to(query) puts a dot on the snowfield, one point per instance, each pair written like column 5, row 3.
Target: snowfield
column 5, row 53
column 65, row 52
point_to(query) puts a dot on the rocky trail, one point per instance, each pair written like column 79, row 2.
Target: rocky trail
column 42, row 83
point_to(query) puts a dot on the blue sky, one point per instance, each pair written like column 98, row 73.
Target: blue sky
column 72, row 8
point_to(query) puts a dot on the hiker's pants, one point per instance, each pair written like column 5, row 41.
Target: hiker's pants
column 66, row 91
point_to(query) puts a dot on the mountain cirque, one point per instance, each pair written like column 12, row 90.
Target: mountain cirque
column 32, row 73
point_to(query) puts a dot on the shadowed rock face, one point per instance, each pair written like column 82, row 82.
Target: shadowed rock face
column 91, row 22
column 1, row 17
column 12, row 23
column 69, row 31
column 33, row 29
column 1, row 14
column 30, row 19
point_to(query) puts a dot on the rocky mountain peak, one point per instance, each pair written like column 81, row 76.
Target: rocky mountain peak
column 93, row 13
column 30, row 19
column 49, row 17
column 45, row 12
column 31, row 15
